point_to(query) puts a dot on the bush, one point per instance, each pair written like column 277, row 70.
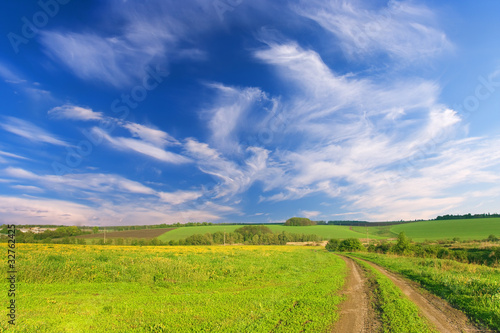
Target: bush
column 492, row 238
column 332, row 245
column 351, row 245
column 346, row 245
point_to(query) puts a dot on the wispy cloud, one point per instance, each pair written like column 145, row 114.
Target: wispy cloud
column 404, row 30
column 143, row 147
column 29, row 131
column 309, row 213
column 105, row 183
column 351, row 135
column 152, row 135
column 234, row 177
column 139, row 35
column 229, row 115
column 69, row 111
column 179, row 197
column 7, row 154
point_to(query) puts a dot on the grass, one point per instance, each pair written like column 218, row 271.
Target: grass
column 464, row 229
column 142, row 233
column 397, row 312
column 68, row 288
column 474, row 289
column 324, row 231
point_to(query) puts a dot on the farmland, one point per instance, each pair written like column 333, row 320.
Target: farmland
column 443, row 229
column 71, row 288
column 78, row 288
column 324, row 231
column 419, row 231
column 143, row 233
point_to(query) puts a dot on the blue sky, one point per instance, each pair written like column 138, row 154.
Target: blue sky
column 119, row 112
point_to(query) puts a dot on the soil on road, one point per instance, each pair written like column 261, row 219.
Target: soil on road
column 357, row 312
column 440, row 313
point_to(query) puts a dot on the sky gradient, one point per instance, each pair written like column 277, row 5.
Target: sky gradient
column 120, row 113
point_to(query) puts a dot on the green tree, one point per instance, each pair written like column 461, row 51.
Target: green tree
column 299, row 221
column 95, row 230
column 251, row 230
column 403, row 245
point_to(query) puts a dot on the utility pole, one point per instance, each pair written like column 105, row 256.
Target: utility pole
column 104, row 236
column 367, row 239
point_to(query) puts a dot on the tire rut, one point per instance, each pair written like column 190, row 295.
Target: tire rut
column 439, row 312
column 356, row 312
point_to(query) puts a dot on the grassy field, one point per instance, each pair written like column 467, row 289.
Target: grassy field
column 68, row 288
column 325, row 231
column 463, row 229
column 143, row 233
column 472, row 288
column 466, row 229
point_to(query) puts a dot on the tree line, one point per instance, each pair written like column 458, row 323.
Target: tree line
column 404, row 246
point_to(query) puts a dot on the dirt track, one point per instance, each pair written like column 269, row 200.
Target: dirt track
column 357, row 314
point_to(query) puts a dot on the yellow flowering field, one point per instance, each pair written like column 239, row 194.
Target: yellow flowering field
column 86, row 288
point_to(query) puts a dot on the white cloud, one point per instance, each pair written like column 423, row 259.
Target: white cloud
column 229, row 115
column 29, row 131
column 44, row 211
column 234, row 178
column 179, row 197
column 309, row 213
column 403, row 29
column 105, row 183
column 142, row 147
column 14, row 210
column 351, row 136
column 151, row 135
column 137, row 36
column 27, row 188
column 4, row 153
column 9, row 76
column 74, row 112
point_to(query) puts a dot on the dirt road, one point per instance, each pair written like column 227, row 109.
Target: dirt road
column 357, row 313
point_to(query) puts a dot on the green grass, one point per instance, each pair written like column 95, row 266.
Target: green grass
column 464, row 229
column 467, row 229
column 68, row 288
column 397, row 312
column 472, row 288
column 325, row 231
column 377, row 232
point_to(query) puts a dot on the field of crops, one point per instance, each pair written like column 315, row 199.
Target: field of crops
column 472, row 288
column 467, row 229
column 79, row 288
column 324, row 231
column 143, row 233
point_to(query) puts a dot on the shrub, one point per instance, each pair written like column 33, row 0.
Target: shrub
column 332, row 245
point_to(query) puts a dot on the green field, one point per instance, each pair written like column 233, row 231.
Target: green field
column 324, row 231
column 475, row 289
column 81, row 288
column 467, row 229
